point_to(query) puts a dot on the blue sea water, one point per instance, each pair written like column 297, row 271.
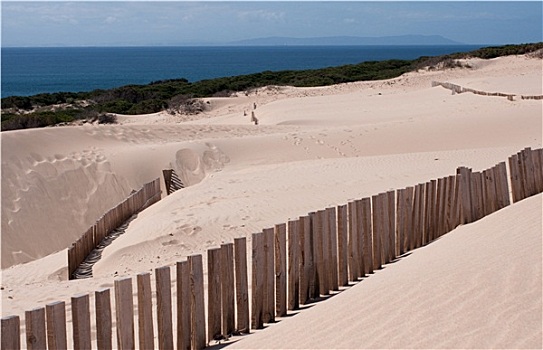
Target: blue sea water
column 30, row 71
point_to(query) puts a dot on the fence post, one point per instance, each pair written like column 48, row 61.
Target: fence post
column 198, row 323
column 242, row 293
column 391, row 220
column 537, row 156
column 465, row 196
column 326, row 252
column 516, row 183
column 376, row 213
column 227, row 288
column 429, row 207
column 213, row 294
column 104, row 325
column 81, row 322
column 367, row 241
column 343, row 251
column 332, row 221
column 163, row 282
column 307, row 270
column 400, row 219
column 417, row 216
column 257, row 287
column 409, row 209
column 353, row 242
column 56, row 325
column 319, row 238
column 124, row 313
column 281, row 268
column 10, row 333
column 313, row 274
column 145, row 311
column 184, row 313
column 361, row 268
column 529, row 172
column 269, row 273
column 293, row 300
column 35, row 329
column 500, row 174
column 450, row 220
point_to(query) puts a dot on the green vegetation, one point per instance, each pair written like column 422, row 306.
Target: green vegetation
column 178, row 94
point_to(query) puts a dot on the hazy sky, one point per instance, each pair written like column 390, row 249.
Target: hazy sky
column 93, row 23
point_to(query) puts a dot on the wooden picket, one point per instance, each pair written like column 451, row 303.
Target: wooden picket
column 214, row 318
column 10, row 333
column 257, row 287
column 281, row 268
column 164, row 307
column 269, row 276
column 354, row 257
column 242, row 292
column 35, row 329
column 197, row 306
column 104, row 326
column 145, row 311
column 56, row 325
column 293, row 268
column 81, row 321
column 227, row 289
column 124, row 312
column 333, row 246
column 184, row 312
column 343, row 252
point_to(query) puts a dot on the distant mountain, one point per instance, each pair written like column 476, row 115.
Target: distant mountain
column 348, row 40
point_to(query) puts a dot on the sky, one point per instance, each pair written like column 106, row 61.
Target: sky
column 154, row 23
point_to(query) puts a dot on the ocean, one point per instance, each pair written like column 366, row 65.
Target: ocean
column 30, row 71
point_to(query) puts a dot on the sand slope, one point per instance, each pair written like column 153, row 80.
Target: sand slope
column 479, row 286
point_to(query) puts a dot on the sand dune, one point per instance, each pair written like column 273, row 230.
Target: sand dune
column 479, row 286
column 313, row 147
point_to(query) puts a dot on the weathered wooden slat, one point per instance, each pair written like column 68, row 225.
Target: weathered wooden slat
column 104, row 325
column 319, row 254
column 377, row 260
column 313, row 273
column 214, row 294
column 56, row 325
column 81, row 322
column 35, row 329
column 391, row 221
column 293, row 298
column 367, row 240
column 145, row 311
column 281, row 268
column 359, row 238
column 197, row 305
column 352, row 243
column 242, row 289
column 10, row 335
column 332, row 222
column 343, row 240
column 409, row 208
column 184, row 313
column 124, row 313
column 258, row 276
column 326, row 252
column 502, row 186
column 163, row 281
column 307, row 269
column 269, row 275
column 228, row 289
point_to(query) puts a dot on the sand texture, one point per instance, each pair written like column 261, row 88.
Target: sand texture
column 477, row 287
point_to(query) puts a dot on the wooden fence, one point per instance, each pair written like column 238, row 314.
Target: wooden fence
column 293, row 263
column 150, row 193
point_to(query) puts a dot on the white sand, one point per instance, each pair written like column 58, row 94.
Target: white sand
column 313, row 148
